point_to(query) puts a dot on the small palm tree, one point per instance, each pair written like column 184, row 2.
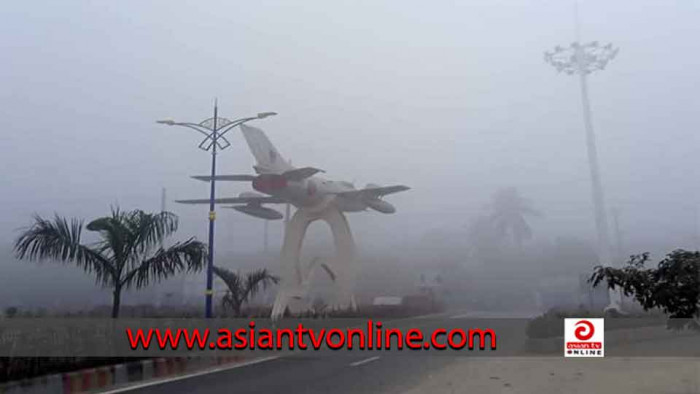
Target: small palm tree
column 240, row 288
column 508, row 212
column 128, row 254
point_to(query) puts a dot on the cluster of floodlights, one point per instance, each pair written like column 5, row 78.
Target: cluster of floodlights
column 581, row 58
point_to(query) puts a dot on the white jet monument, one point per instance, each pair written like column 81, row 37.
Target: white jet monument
column 315, row 199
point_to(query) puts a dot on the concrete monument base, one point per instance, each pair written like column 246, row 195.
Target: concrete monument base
column 296, row 279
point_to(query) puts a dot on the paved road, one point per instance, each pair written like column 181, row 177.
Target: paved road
column 614, row 375
column 415, row 372
column 311, row 375
column 339, row 372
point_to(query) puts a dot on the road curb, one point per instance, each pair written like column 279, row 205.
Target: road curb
column 102, row 378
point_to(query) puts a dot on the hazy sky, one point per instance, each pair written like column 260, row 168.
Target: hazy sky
column 451, row 98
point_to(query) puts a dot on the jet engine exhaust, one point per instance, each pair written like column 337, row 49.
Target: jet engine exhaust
column 381, row 206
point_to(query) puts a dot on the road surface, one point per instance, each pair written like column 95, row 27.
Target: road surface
column 441, row 372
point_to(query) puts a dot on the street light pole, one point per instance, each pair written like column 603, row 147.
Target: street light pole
column 584, row 59
column 265, row 236
column 212, row 217
column 214, row 130
column 619, row 250
column 601, row 220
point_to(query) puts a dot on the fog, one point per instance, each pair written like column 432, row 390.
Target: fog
column 453, row 99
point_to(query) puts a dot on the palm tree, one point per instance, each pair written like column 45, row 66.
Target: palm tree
column 508, row 212
column 240, row 288
column 128, row 253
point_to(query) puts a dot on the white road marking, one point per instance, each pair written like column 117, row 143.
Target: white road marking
column 365, row 361
column 191, row 375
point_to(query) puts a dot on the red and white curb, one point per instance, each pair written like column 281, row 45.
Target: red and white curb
column 215, row 369
column 103, row 378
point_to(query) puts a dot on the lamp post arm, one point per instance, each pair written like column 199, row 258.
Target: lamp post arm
column 222, row 147
column 220, row 134
column 198, row 128
column 234, row 124
column 201, row 129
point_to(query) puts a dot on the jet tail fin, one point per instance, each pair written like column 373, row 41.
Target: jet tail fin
column 266, row 155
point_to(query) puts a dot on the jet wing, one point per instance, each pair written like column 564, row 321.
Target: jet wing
column 299, row 174
column 208, row 178
column 375, row 191
column 296, row 174
column 236, row 200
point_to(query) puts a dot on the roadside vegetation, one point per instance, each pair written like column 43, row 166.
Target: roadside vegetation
column 673, row 286
column 241, row 288
column 668, row 294
column 128, row 253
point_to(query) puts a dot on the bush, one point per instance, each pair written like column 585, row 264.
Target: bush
column 673, row 286
column 11, row 312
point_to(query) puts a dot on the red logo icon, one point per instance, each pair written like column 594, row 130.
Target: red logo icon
column 584, row 337
column 584, row 330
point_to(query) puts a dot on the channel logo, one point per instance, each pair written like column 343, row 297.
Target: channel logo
column 584, row 337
